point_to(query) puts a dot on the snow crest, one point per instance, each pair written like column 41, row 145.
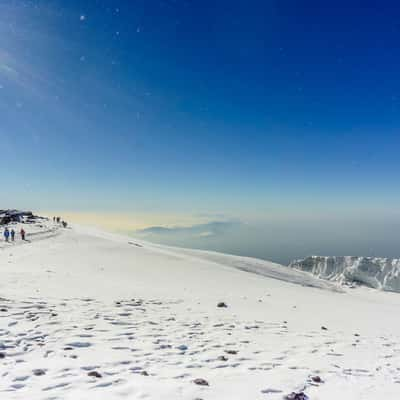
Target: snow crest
column 375, row 272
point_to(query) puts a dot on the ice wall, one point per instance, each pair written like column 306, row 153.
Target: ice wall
column 379, row 273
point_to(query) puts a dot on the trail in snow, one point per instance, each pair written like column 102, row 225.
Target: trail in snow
column 34, row 232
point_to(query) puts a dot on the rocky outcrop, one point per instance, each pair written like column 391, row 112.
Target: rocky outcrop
column 378, row 273
column 7, row 216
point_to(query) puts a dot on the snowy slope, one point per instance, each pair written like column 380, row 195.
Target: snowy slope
column 256, row 266
column 86, row 314
column 378, row 273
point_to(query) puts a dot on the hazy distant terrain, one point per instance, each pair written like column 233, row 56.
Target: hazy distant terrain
column 285, row 240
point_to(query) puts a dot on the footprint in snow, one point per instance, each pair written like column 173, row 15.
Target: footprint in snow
column 79, row 344
column 271, row 391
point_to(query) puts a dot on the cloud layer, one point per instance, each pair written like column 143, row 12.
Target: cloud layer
column 205, row 230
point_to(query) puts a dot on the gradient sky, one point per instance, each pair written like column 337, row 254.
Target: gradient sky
column 250, row 109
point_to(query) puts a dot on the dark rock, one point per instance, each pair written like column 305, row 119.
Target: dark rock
column 201, row 382
column 94, row 374
column 222, row 305
column 2, row 355
column 297, row 396
column 144, row 373
column 222, row 358
column 324, row 328
column 316, row 379
column 251, row 327
column 233, row 352
column 39, row 372
column 165, row 346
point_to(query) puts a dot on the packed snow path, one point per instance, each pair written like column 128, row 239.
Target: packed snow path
column 86, row 314
column 34, row 232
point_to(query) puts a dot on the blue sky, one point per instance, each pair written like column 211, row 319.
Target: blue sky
column 250, row 109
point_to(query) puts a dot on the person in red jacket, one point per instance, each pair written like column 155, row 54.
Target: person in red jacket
column 22, row 232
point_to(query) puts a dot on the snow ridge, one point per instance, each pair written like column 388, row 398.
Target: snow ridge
column 375, row 272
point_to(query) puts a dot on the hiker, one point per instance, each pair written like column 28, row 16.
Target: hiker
column 6, row 234
column 22, row 232
column 12, row 235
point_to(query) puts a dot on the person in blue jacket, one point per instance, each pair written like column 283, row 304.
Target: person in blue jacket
column 6, row 234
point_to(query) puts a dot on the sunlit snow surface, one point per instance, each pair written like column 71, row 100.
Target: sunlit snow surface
column 91, row 315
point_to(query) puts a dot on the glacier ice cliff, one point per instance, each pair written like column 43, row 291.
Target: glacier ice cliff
column 378, row 273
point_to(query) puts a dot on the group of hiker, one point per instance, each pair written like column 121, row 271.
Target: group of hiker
column 10, row 234
column 58, row 221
